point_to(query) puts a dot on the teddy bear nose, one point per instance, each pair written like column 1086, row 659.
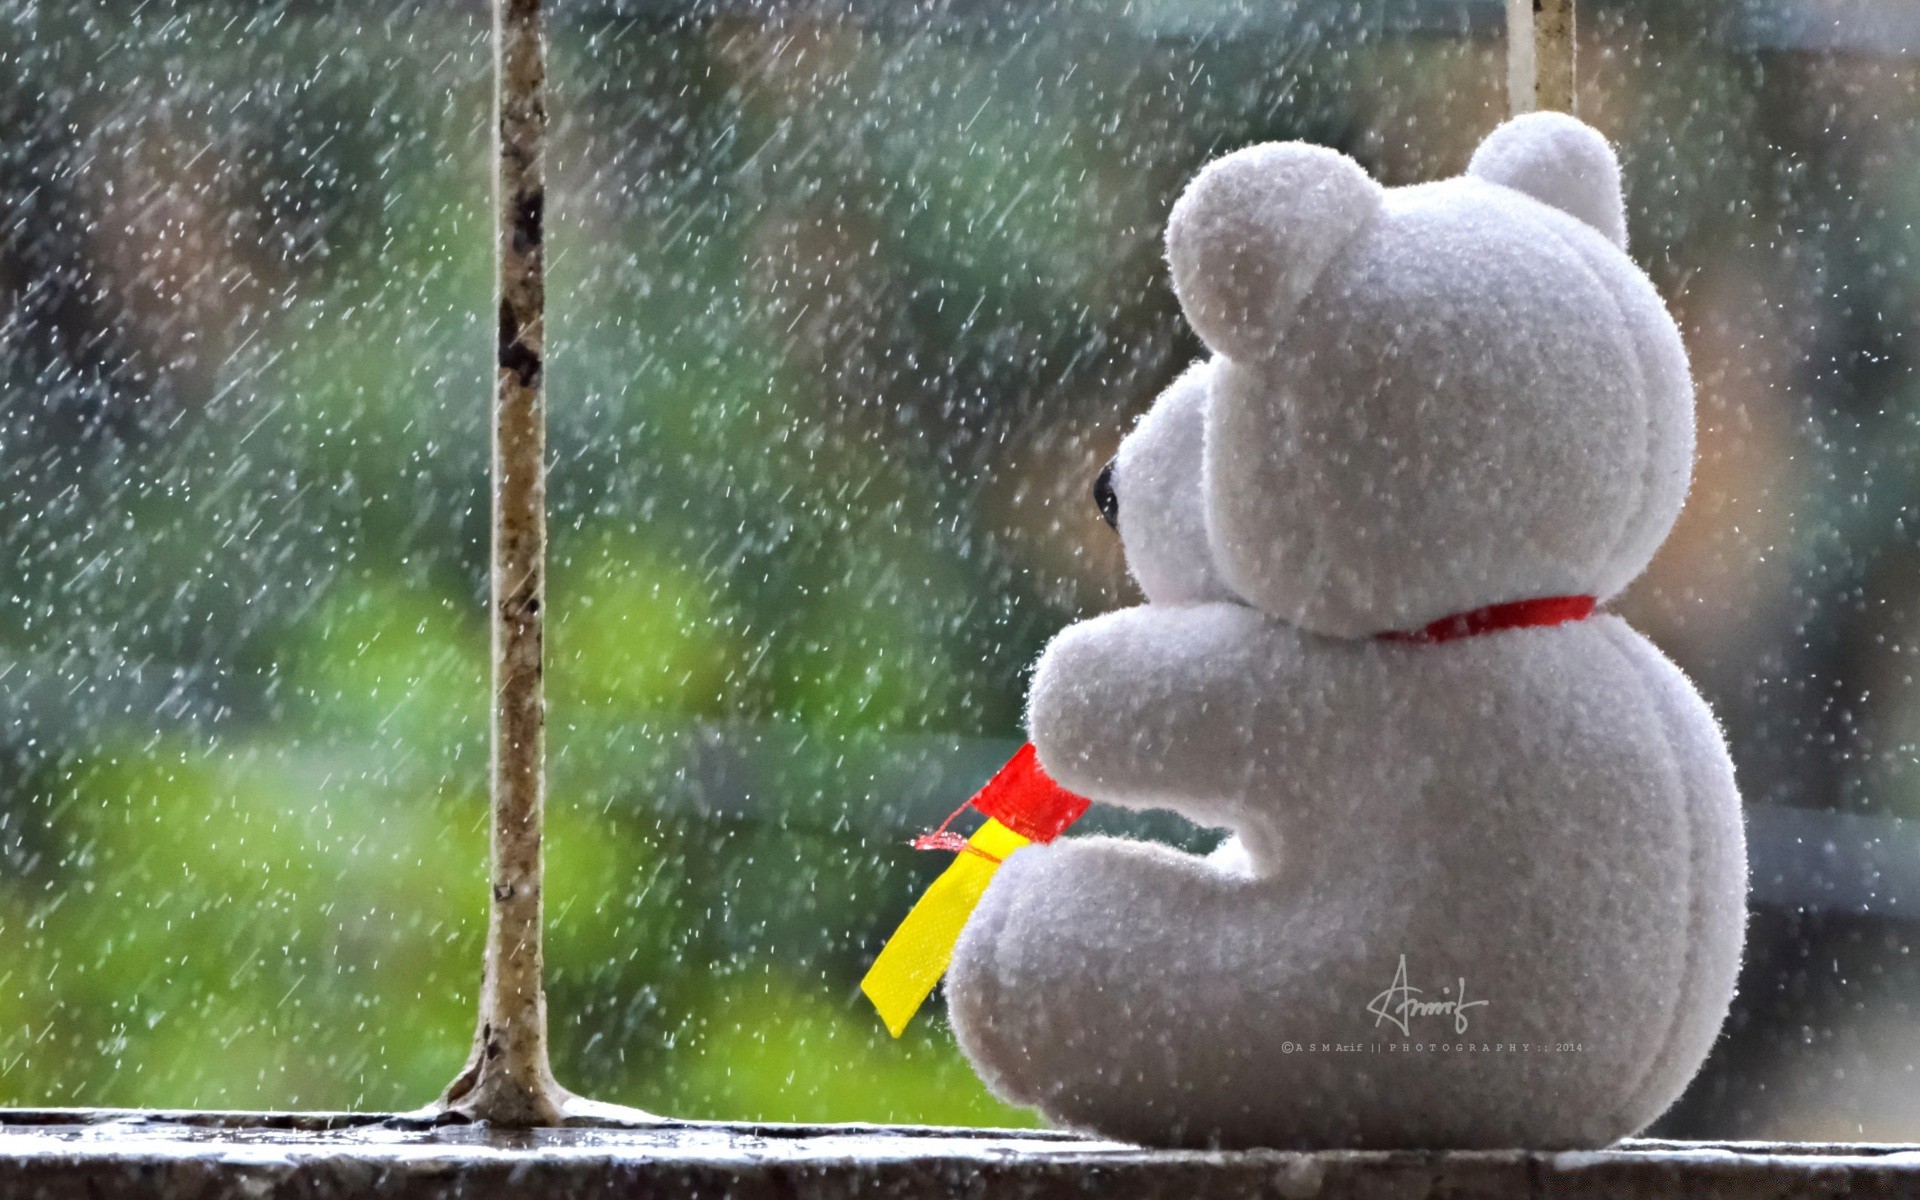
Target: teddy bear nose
column 1105, row 498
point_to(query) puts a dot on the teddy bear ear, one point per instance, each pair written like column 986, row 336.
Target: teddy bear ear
column 1254, row 230
column 1558, row 161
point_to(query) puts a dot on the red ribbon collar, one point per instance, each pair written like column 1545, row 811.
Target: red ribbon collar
column 1517, row 614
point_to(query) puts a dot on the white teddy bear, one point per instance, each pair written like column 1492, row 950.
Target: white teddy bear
column 1487, row 885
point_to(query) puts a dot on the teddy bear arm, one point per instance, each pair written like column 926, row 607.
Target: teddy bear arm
column 1160, row 707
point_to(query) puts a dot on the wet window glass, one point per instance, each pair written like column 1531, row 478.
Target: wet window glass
column 848, row 308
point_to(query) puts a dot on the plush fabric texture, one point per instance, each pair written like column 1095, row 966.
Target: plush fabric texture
column 1163, row 522
column 1454, row 395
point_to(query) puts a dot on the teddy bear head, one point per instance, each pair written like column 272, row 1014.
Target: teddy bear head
column 1423, row 400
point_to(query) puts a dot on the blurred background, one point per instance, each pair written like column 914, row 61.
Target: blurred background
column 849, row 303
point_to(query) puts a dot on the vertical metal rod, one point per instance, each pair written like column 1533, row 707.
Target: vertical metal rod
column 1540, row 55
column 508, row 1080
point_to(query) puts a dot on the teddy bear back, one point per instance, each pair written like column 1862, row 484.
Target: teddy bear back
column 1433, row 398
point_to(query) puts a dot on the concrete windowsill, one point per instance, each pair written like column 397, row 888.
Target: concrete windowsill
column 103, row 1154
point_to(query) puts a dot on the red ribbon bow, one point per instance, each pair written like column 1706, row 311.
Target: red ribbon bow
column 1021, row 796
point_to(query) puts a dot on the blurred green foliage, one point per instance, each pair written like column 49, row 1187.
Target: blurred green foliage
column 847, row 310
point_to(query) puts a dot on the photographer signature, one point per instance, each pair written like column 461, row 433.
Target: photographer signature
column 1397, row 1007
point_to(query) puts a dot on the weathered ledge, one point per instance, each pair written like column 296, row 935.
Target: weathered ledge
column 175, row 1156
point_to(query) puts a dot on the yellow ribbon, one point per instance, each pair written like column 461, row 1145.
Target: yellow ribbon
column 917, row 954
